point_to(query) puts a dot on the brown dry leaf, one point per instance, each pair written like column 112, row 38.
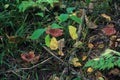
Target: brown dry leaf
column 106, row 16
column 60, row 53
column 114, row 72
column 90, row 24
column 91, row 6
column 113, row 44
column 61, row 44
column 110, row 25
column 36, row 59
column 15, row 39
column 79, row 14
column 98, row 74
column 90, row 45
column 84, row 58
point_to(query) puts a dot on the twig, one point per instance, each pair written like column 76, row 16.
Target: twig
column 53, row 54
column 80, row 26
column 37, row 64
column 20, row 69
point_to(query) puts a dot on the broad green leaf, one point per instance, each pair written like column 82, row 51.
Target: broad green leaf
column 76, row 19
column 25, row 4
column 54, row 25
column 37, row 33
column 63, row 17
column 47, row 40
column 40, row 14
column 70, row 9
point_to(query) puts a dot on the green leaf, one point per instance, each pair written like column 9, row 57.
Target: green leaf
column 76, row 19
column 63, row 17
column 70, row 9
column 54, row 25
column 37, row 33
column 87, row 2
column 48, row 1
column 40, row 14
column 47, row 40
column 25, row 4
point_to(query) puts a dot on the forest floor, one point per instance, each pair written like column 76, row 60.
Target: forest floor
column 66, row 40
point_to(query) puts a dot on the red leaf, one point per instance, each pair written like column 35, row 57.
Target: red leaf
column 54, row 32
column 29, row 57
column 109, row 31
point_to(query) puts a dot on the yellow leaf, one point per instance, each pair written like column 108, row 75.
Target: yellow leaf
column 61, row 53
column 106, row 16
column 76, row 63
column 73, row 33
column 101, row 46
column 54, row 44
column 75, row 60
column 89, row 70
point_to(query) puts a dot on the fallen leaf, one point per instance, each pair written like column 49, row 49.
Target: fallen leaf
column 109, row 31
column 30, row 57
column 91, row 6
column 15, row 39
column 84, row 58
column 106, row 16
column 98, row 74
column 76, row 63
column 114, row 72
column 90, row 45
column 90, row 24
column 61, row 44
column 36, row 59
column 60, row 53
column 54, row 32
column 73, row 33
column 101, row 45
column 54, row 44
column 89, row 70
column 113, row 37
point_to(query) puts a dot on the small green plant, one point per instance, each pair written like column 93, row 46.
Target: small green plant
column 107, row 60
column 39, row 3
